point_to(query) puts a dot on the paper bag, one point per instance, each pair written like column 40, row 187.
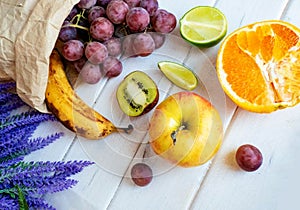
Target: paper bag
column 28, row 32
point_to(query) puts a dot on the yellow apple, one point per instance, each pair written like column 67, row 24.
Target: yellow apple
column 186, row 129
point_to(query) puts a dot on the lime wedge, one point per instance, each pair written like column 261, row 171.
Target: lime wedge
column 178, row 74
column 203, row 26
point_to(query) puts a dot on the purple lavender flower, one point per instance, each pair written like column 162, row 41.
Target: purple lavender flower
column 28, row 181
column 26, row 118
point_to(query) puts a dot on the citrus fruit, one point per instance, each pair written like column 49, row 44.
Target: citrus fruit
column 203, row 26
column 258, row 66
column 178, row 74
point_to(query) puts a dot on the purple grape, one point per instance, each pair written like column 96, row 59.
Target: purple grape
column 101, row 29
column 143, row 44
column 103, row 3
column 163, row 21
column 67, row 32
column 150, row 5
column 91, row 73
column 86, row 4
column 137, row 19
column 141, row 174
column 159, row 39
column 96, row 52
column 72, row 50
column 112, row 66
column 95, row 12
column 79, row 64
column 114, row 46
column 127, row 46
column 72, row 14
column 133, row 3
column 248, row 157
column 116, row 11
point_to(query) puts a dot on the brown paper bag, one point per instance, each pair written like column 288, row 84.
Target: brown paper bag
column 28, row 32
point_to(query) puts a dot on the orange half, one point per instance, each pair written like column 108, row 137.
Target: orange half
column 258, row 66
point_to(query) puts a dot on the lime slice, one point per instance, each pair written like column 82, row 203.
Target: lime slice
column 178, row 74
column 203, row 26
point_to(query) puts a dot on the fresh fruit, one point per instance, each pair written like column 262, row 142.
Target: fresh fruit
column 163, row 21
column 101, row 29
column 112, row 67
column 95, row 12
column 137, row 19
column 258, row 66
column 90, row 73
column 137, row 94
column 185, row 129
column 94, row 23
column 116, row 11
column 203, row 26
column 143, row 44
column 86, row 4
column 248, row 157
column 69, row 108
column 180, row 75
column 150, row 5
column 72, row 50
column 96, row 52
column 141, row 174
column 67, row 32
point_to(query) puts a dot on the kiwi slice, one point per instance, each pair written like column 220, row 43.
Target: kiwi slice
column 137, row 94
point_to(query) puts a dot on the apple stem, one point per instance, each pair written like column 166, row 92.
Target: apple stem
column 174, row 133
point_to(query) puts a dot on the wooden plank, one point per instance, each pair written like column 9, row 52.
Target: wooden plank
column 275, row 184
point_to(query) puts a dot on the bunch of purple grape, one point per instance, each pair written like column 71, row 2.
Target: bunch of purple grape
column 95, row 34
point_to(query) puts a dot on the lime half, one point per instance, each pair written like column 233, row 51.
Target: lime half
column 178, row 74
column 203, row 26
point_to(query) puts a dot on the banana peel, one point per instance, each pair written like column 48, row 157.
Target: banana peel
column 70, row 109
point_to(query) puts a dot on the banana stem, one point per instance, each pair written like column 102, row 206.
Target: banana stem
column 127, row 130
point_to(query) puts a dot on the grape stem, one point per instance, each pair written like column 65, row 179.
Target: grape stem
column 76, row 26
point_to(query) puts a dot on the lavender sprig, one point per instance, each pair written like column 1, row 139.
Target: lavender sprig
column 25, row 183
column 27, row 118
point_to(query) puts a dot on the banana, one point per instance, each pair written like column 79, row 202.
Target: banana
column 70, row 109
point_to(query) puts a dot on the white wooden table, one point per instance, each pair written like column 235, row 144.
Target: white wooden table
column 219, row 184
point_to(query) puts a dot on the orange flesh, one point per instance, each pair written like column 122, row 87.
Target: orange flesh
column 262, row 64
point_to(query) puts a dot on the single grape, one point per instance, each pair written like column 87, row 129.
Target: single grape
column 101, row 29
column 95, row 12
column 127, row 46
column 67, row 32
column 78, row 64
column 72, row 50
column 150, row 5
column 137, row 19
column 248, row 157
column 112, row 66
column 71, row 15
column 116, row 11
column 159, row 39
column 86, row 4
column 163, row 21
column 96, row 52
column 141, row 174
column 143, row 44
column 91, row 73
column 114, row 46
column 133, row 3
column 103, row 3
